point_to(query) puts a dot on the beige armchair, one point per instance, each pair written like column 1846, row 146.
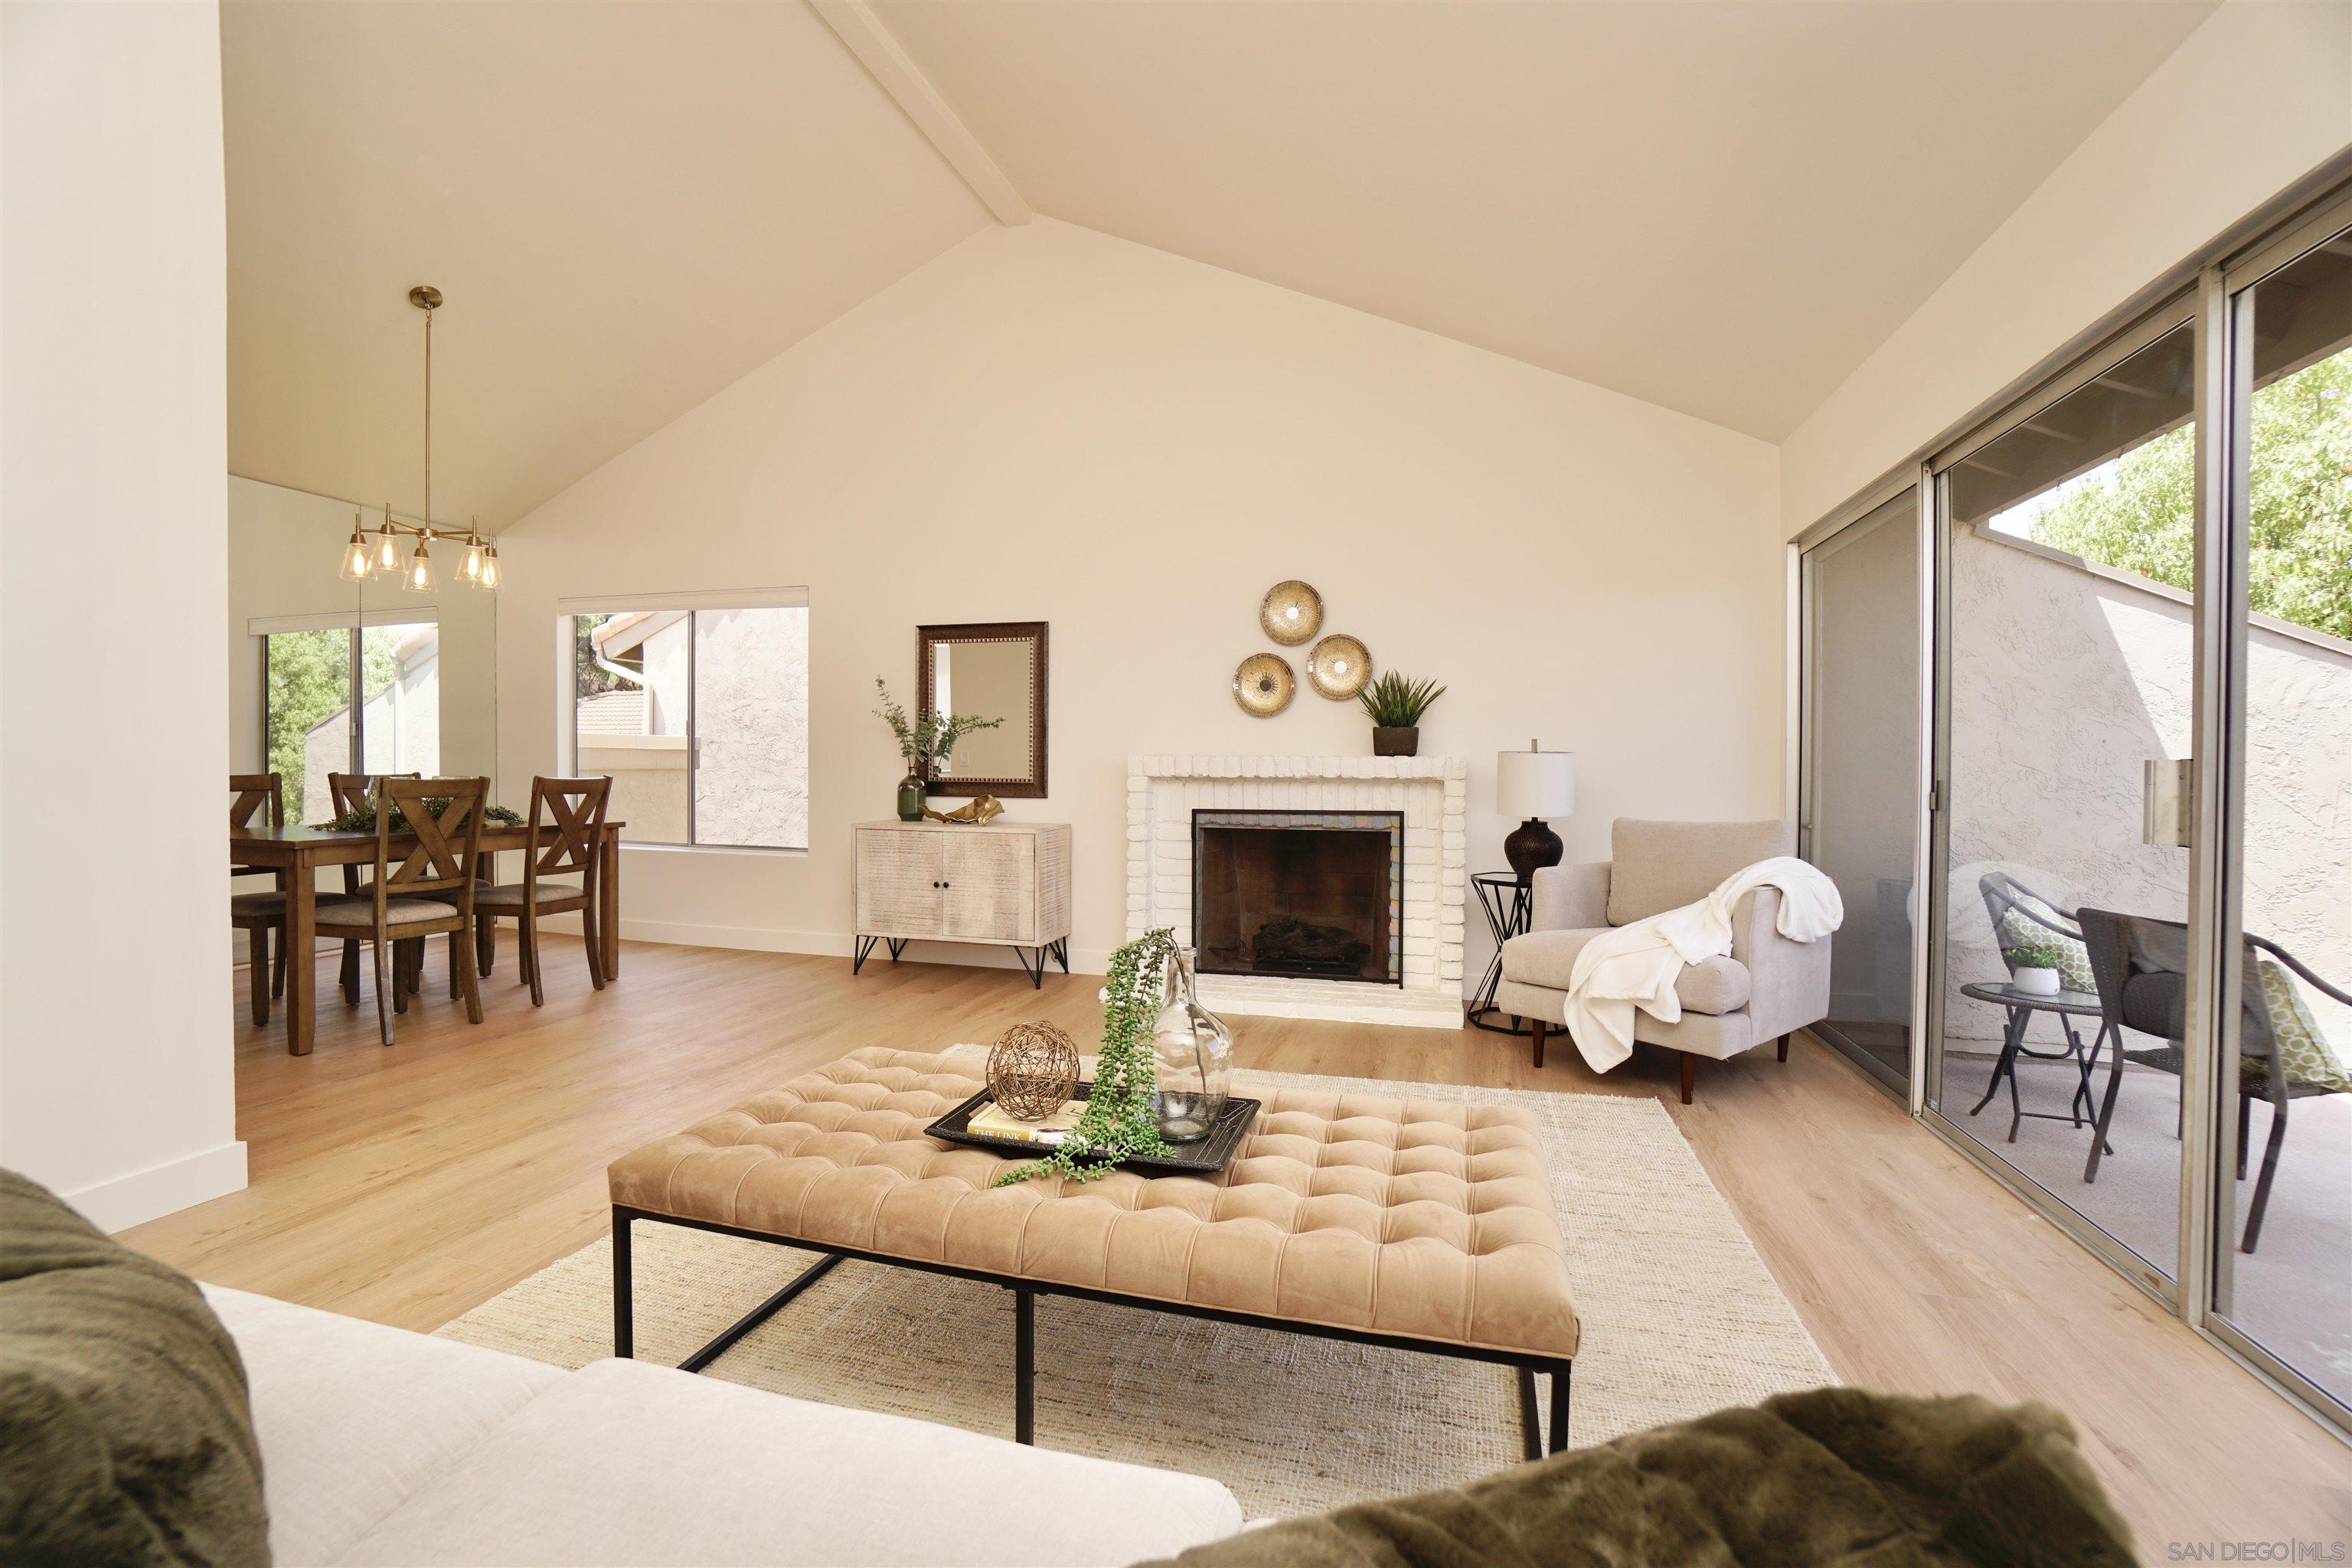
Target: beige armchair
column 1766, row 988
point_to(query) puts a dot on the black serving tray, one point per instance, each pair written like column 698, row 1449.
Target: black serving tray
column 1203, row 1157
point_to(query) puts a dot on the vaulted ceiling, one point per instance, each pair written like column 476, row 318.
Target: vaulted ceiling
column 1721, row 208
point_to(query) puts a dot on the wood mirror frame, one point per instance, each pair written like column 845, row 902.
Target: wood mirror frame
column 926, row 638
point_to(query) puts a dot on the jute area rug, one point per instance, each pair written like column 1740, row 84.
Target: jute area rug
column 1680, row 1319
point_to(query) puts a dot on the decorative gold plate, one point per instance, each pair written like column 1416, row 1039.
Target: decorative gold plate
column 1264, row 685
column 1291, row 612
column 1339, row 667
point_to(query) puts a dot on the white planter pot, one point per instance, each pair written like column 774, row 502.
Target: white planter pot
column 2036, row 982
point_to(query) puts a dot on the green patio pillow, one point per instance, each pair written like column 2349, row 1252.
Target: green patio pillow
column 2020, row 929
column 125, row 1435
column 2304, row 1051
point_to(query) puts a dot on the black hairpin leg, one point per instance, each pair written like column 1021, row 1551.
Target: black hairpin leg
column 1025, row 1365
column 1036, row 970
column 858, row 954
column 897, row 946
column 1061, row 954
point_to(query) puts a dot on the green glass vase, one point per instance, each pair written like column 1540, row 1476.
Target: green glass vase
column 910, row 799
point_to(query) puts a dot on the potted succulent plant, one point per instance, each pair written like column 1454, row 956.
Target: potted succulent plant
column 1396, row 703
column 2033, row 967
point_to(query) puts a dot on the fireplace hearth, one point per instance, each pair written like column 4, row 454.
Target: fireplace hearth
column 1305, row 894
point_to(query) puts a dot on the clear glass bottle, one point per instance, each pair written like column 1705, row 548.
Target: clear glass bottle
column 1192, row 1053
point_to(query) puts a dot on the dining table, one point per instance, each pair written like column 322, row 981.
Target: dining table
column 300, row 851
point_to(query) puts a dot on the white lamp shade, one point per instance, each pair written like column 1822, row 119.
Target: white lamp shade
column 1535, row 783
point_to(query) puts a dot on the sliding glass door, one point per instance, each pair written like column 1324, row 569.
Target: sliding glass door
column 1858, row 781
column 2135, row 1003
column 2282, row 1132
column 2070, row 637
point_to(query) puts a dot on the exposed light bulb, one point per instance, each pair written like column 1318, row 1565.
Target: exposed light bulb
column 387, row 552
column 490, row 577
column 356, row 560
column 472, row 570
column 420, row 571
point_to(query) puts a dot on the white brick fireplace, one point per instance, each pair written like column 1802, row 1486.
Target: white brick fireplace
column 1163, row 792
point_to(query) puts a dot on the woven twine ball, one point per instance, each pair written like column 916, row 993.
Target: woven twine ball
column 1033, row 1070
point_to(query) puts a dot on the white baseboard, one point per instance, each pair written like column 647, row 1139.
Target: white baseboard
column 125, row 1201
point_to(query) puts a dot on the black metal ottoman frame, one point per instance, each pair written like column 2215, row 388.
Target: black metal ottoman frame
column 1532, row 1435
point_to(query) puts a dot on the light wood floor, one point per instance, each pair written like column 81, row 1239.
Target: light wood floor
column 409, row 1185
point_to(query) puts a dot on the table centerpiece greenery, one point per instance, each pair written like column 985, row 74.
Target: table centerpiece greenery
column 1119, row 1123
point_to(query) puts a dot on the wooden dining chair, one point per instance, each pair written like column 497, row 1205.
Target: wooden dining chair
column 259, row 914
column 426, row 890
column 565, row 837
column 348, row 793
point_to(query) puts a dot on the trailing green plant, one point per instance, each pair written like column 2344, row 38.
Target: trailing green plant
column 2035, row 955
column 1397, row 702
column 363, row 819
column 927, row 741
column 1119, row 1123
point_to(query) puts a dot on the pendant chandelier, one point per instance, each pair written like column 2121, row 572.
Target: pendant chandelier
column 378, row 553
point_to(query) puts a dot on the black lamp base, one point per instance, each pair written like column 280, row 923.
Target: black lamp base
column 1530, row 847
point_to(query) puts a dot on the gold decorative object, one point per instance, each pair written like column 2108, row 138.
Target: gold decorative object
column 1339, row 667
column 978, row 809
column 1264, row 685
column 1033, row 1070
column 1291, row 612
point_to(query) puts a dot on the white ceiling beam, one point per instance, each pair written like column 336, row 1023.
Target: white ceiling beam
column 904, row 80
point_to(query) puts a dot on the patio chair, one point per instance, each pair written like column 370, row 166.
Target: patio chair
column 2140, row 966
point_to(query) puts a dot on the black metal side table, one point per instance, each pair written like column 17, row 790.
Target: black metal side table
column 2021, row 1006
column 1509, row 905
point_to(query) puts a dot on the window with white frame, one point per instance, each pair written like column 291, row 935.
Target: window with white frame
column 697, row 706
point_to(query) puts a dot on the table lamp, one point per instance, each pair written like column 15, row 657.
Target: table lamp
column 1537, row 784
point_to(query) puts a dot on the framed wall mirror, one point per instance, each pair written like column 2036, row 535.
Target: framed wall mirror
column 994, row 670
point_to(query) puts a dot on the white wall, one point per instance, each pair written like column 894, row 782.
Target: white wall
column 1048, row 424
column 2251, row 101
column 115, row 1080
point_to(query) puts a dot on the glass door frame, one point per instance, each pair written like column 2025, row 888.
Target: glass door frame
column 2225, row 523
column 2165, row 319
column 1831, row 533
column 2217, row 295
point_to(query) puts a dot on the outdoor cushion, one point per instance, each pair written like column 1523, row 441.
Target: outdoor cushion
column 2304, row 1051
column 509, row 895
column 124, row 1431
column 1716, row 985
column 360, row 915
column 1660, row 866
column 2020, row 929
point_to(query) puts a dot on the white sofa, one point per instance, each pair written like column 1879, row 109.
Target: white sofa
column 383, row 1446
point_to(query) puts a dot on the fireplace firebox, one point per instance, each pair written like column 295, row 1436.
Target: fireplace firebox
column 1307, row 894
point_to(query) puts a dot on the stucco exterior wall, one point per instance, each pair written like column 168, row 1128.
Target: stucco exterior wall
column 2063, row 683
column 751, row 711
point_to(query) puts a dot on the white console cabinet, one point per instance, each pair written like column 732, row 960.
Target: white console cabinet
column 1006, row 884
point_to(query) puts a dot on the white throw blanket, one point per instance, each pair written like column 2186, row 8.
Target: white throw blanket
column 1637, row 965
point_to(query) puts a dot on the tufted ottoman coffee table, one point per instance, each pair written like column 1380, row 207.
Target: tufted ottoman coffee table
column 1411, row 1225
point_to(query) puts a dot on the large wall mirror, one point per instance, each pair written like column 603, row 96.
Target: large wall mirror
column 992, row 670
